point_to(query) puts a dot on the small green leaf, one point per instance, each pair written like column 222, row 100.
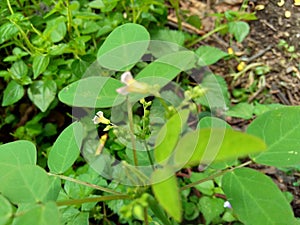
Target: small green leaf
column 209, row 55
column 168, row 136
column 124, row 47
column 19, row 70
column 41, row 214
column 66, row 148
column 39, row 65
column 6, row 211
column 280, row 130
column 56, row 29
column 26, row 184
column 42, row 93
column 255, row 198
column 166, row 191
column 7, row 31
column 211, row 208
column 94, row 92
column 239, row 29
column 241, row 110
column 12, row 93
column 215, row 144
column 214, row 122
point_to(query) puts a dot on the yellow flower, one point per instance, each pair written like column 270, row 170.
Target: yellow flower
column 99, row 118
column 132, row 85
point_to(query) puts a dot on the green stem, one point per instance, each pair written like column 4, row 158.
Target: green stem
column 148, row 154
column 213, row 176
column 146, row 216
column 207, row 35
column 131, row 129
column 69, row 23
column 9, row 7
column 94, row 186
column 94, row 199
column 133, row 11
column 175, row 4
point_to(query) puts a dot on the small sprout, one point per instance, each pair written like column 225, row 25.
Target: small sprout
column 99, row 118
column 280, row 3
column 287, row 14
column 132, row 85
column 241, row 66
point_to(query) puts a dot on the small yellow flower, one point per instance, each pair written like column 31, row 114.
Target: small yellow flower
column 230, row 51
column 132, row 85
column 241, row 66
column 99, row 118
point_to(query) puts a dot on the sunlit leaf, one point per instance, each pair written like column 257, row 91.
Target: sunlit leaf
column 239, row 29
column 280, row 130
column 12, row 93
column 166, row 191
column 255, row 198
column 209, row 55
column 66, row 148
column 6, row 211
column 39, row 65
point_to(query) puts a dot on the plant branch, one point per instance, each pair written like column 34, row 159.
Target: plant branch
column 94, row 199
column 94, row 186
column 131, row 128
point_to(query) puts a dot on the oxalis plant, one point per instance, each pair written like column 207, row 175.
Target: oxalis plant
column 147, row 145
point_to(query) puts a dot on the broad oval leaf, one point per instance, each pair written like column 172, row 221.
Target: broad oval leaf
column 6, row 211
column 12, row 93
column 41, row 214
column 39, row 65
column 66, row 148
column 168, row 136
column 26, row 184
column 42, row 93
column 15, row 154
column 94, row 92
column 124, row 47
column 239, row 29
column 280, row 130
column 255, row 198
column 215, row 145
column 166, row 191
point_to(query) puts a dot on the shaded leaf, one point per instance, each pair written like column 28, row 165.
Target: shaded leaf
column 66, row 148
column 123, row 47
column 255, row 199
column 12, row 93
column 56, row 29
column 39, row 65
column 166, row 191
column 214, row 122
column 42, row 93
column 209, row 55
column 211, row 208
column 241, row 110
column 7, row 31
column 6, row 211
column 279, row 129
column 239, row 29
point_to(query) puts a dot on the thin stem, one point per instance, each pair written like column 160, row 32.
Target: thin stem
column 94, row 186
column 130, row 118
column 213, row 176
column 146, row 216
column 94, row 199
column 148, row 154
column 207, row 35
column 9, row 7
column 69, row 23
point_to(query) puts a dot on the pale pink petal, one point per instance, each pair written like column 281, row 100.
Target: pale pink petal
column 126, row 78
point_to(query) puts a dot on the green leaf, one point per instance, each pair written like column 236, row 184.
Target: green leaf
column 239, row 29
column 66, row 148
column 53, row 189
column 13, row 155
column 56, row 29
column 211, row 208
column 6, row 211
column 209, row 55
column 94, row 92
column 165, row 35
column 39, row 65
column 124, row 47
column 166, row 191
column 255, row 198
column 26, row 184
column 280, row 130
column 217, row 95
column 214, row 122
column 215, row 144
column 241, row 110
column 42, row 93
column 41, row 214
column 7, row 31
column 12, row 93
column 19, row 70
column 168, row 136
